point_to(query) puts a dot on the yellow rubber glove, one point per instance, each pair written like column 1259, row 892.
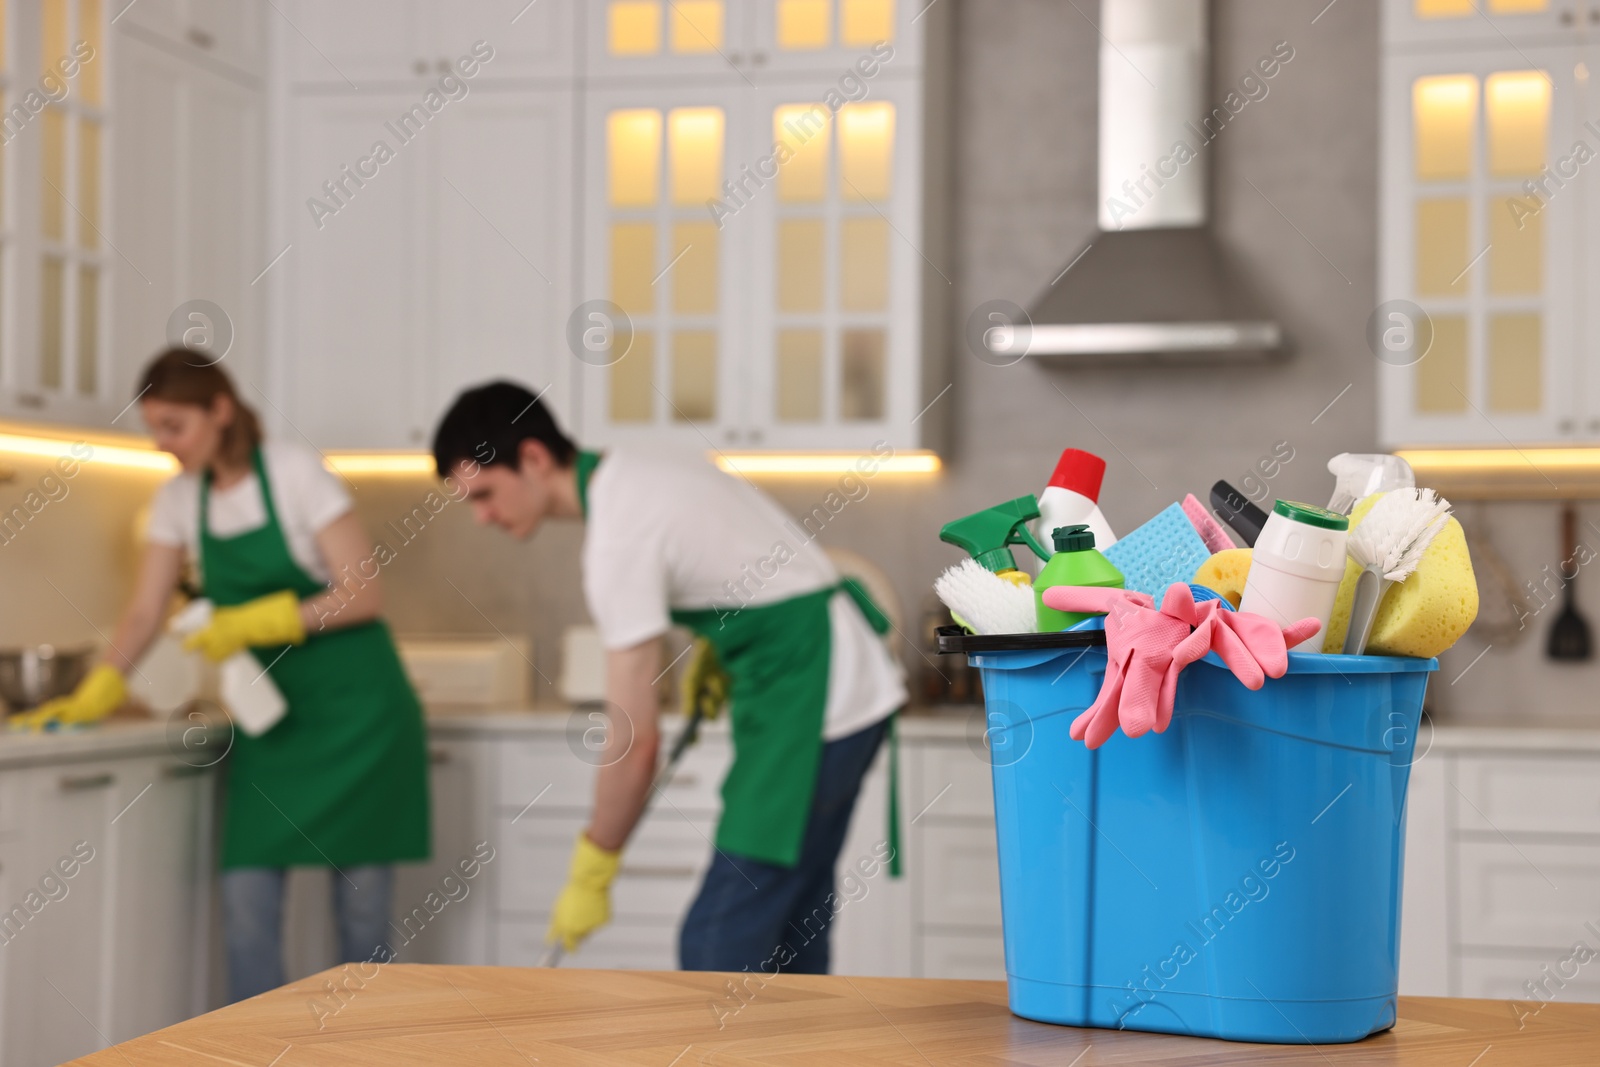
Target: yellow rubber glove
column 585, row 904
column 269, row 620
column 705, row 683
column 100, row 693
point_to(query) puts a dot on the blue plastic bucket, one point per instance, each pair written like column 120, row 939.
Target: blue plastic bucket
column 1237, row 876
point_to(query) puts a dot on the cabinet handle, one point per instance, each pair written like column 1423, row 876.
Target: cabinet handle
column 754, row 435
column 736, row 58
column 438, row 757
column 420, row 66
column 78, row 783
column 684, row 780
column 182, row 770
column 1594, row 425
column 444, row 66
column 1565, row 426
column 1567, row 17
column 200, row 38
column 758, row 59
column 30, row 400
column 647, row 870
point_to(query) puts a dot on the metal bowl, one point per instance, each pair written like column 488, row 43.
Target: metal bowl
column 31, row 676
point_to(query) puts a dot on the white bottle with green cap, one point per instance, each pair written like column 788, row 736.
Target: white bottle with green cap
column 1296, row 567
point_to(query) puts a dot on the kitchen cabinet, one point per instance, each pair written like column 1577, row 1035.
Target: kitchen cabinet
column 163, row 864
column 69, row 945
column 1446, row 23
column 1485, row 263
column 188, row 198
column 229, row 33
column 770, row 262
column 147, row 181
column 655, row 38
column 443, row 267
column 458, row 784
column 106, row 869
column 354, row 43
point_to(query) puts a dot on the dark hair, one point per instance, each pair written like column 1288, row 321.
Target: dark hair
column 487, row 425
column 186, row 376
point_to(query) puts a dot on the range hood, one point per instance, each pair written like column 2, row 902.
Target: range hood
column 1153, row 281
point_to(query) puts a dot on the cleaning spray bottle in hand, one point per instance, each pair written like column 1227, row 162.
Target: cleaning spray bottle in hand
column 1075, row 562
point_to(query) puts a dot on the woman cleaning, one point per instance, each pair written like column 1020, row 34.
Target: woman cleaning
column 340, row 781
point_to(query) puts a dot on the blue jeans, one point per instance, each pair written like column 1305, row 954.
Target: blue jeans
column 252, row 921
column 761, row 917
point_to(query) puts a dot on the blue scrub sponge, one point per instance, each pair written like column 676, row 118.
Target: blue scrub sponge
column 1164, row 550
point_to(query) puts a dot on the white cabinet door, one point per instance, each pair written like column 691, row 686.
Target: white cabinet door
column 873, row 931
column 232, row 32
column 354, row 276
column 655, row 157
column 463, row 819
column 13, row 970
column 834, row 348
column 223, row 239
column 1421, row 23
column 68, row 943
column 188, row 161
column 500, row 267
column 229, row 31
column 150, row 202
column 1521, row 894
column 1425, row 931
column 164, row 873
column 355, row 42
column 1497, row 273
column 535, row 39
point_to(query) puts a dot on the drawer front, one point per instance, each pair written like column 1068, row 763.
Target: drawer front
column 1548, row 794
column 951, row 781
column 1557, row 976
column 958, row 871
column 661, row 867
column 528, row 765
column 1528, row 896
column 618, row 946
column 976, row 956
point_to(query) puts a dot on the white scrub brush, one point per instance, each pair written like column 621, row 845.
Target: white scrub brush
column 986, row 603
column 1387, row 546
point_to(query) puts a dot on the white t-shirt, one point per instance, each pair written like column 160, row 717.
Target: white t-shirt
column 672, row 531
column 306, row 495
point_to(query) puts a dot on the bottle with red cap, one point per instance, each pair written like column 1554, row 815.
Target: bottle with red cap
column 1073, row 497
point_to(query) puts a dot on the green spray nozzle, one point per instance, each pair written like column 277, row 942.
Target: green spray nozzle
column 987, row 535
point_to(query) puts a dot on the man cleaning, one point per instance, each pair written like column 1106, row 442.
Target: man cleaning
column 811, row 686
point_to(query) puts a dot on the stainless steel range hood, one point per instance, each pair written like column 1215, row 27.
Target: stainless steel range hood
column 1153, row 281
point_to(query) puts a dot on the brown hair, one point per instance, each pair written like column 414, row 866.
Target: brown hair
column 186, row 376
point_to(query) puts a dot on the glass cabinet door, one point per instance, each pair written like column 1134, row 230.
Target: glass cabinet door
column 832, row 36
column 836, row 270
column 655, row 37
column 662, row 351
column 69, row 355
column 1487, row 22
column 1483, row 203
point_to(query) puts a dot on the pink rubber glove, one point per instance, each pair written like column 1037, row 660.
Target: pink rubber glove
column 1146, row 650
column 1139, row 644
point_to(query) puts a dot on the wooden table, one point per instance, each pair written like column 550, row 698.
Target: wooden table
column 487, row 1016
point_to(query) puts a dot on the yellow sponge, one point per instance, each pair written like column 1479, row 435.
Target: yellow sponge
column 1225, row 572
column 1426, row 613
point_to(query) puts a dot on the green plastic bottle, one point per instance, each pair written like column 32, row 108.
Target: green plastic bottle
column 1075, row 562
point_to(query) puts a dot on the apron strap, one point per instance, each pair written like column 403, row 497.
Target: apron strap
column 875, row 616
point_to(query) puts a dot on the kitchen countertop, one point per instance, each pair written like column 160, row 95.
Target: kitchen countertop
column 156, row 737
column 407, row 1013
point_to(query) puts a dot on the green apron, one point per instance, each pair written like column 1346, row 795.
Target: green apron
column 342, row 779
column 776, row 657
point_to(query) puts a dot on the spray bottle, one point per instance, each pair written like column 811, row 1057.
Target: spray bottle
column 1076, row 562
column 987, row 536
